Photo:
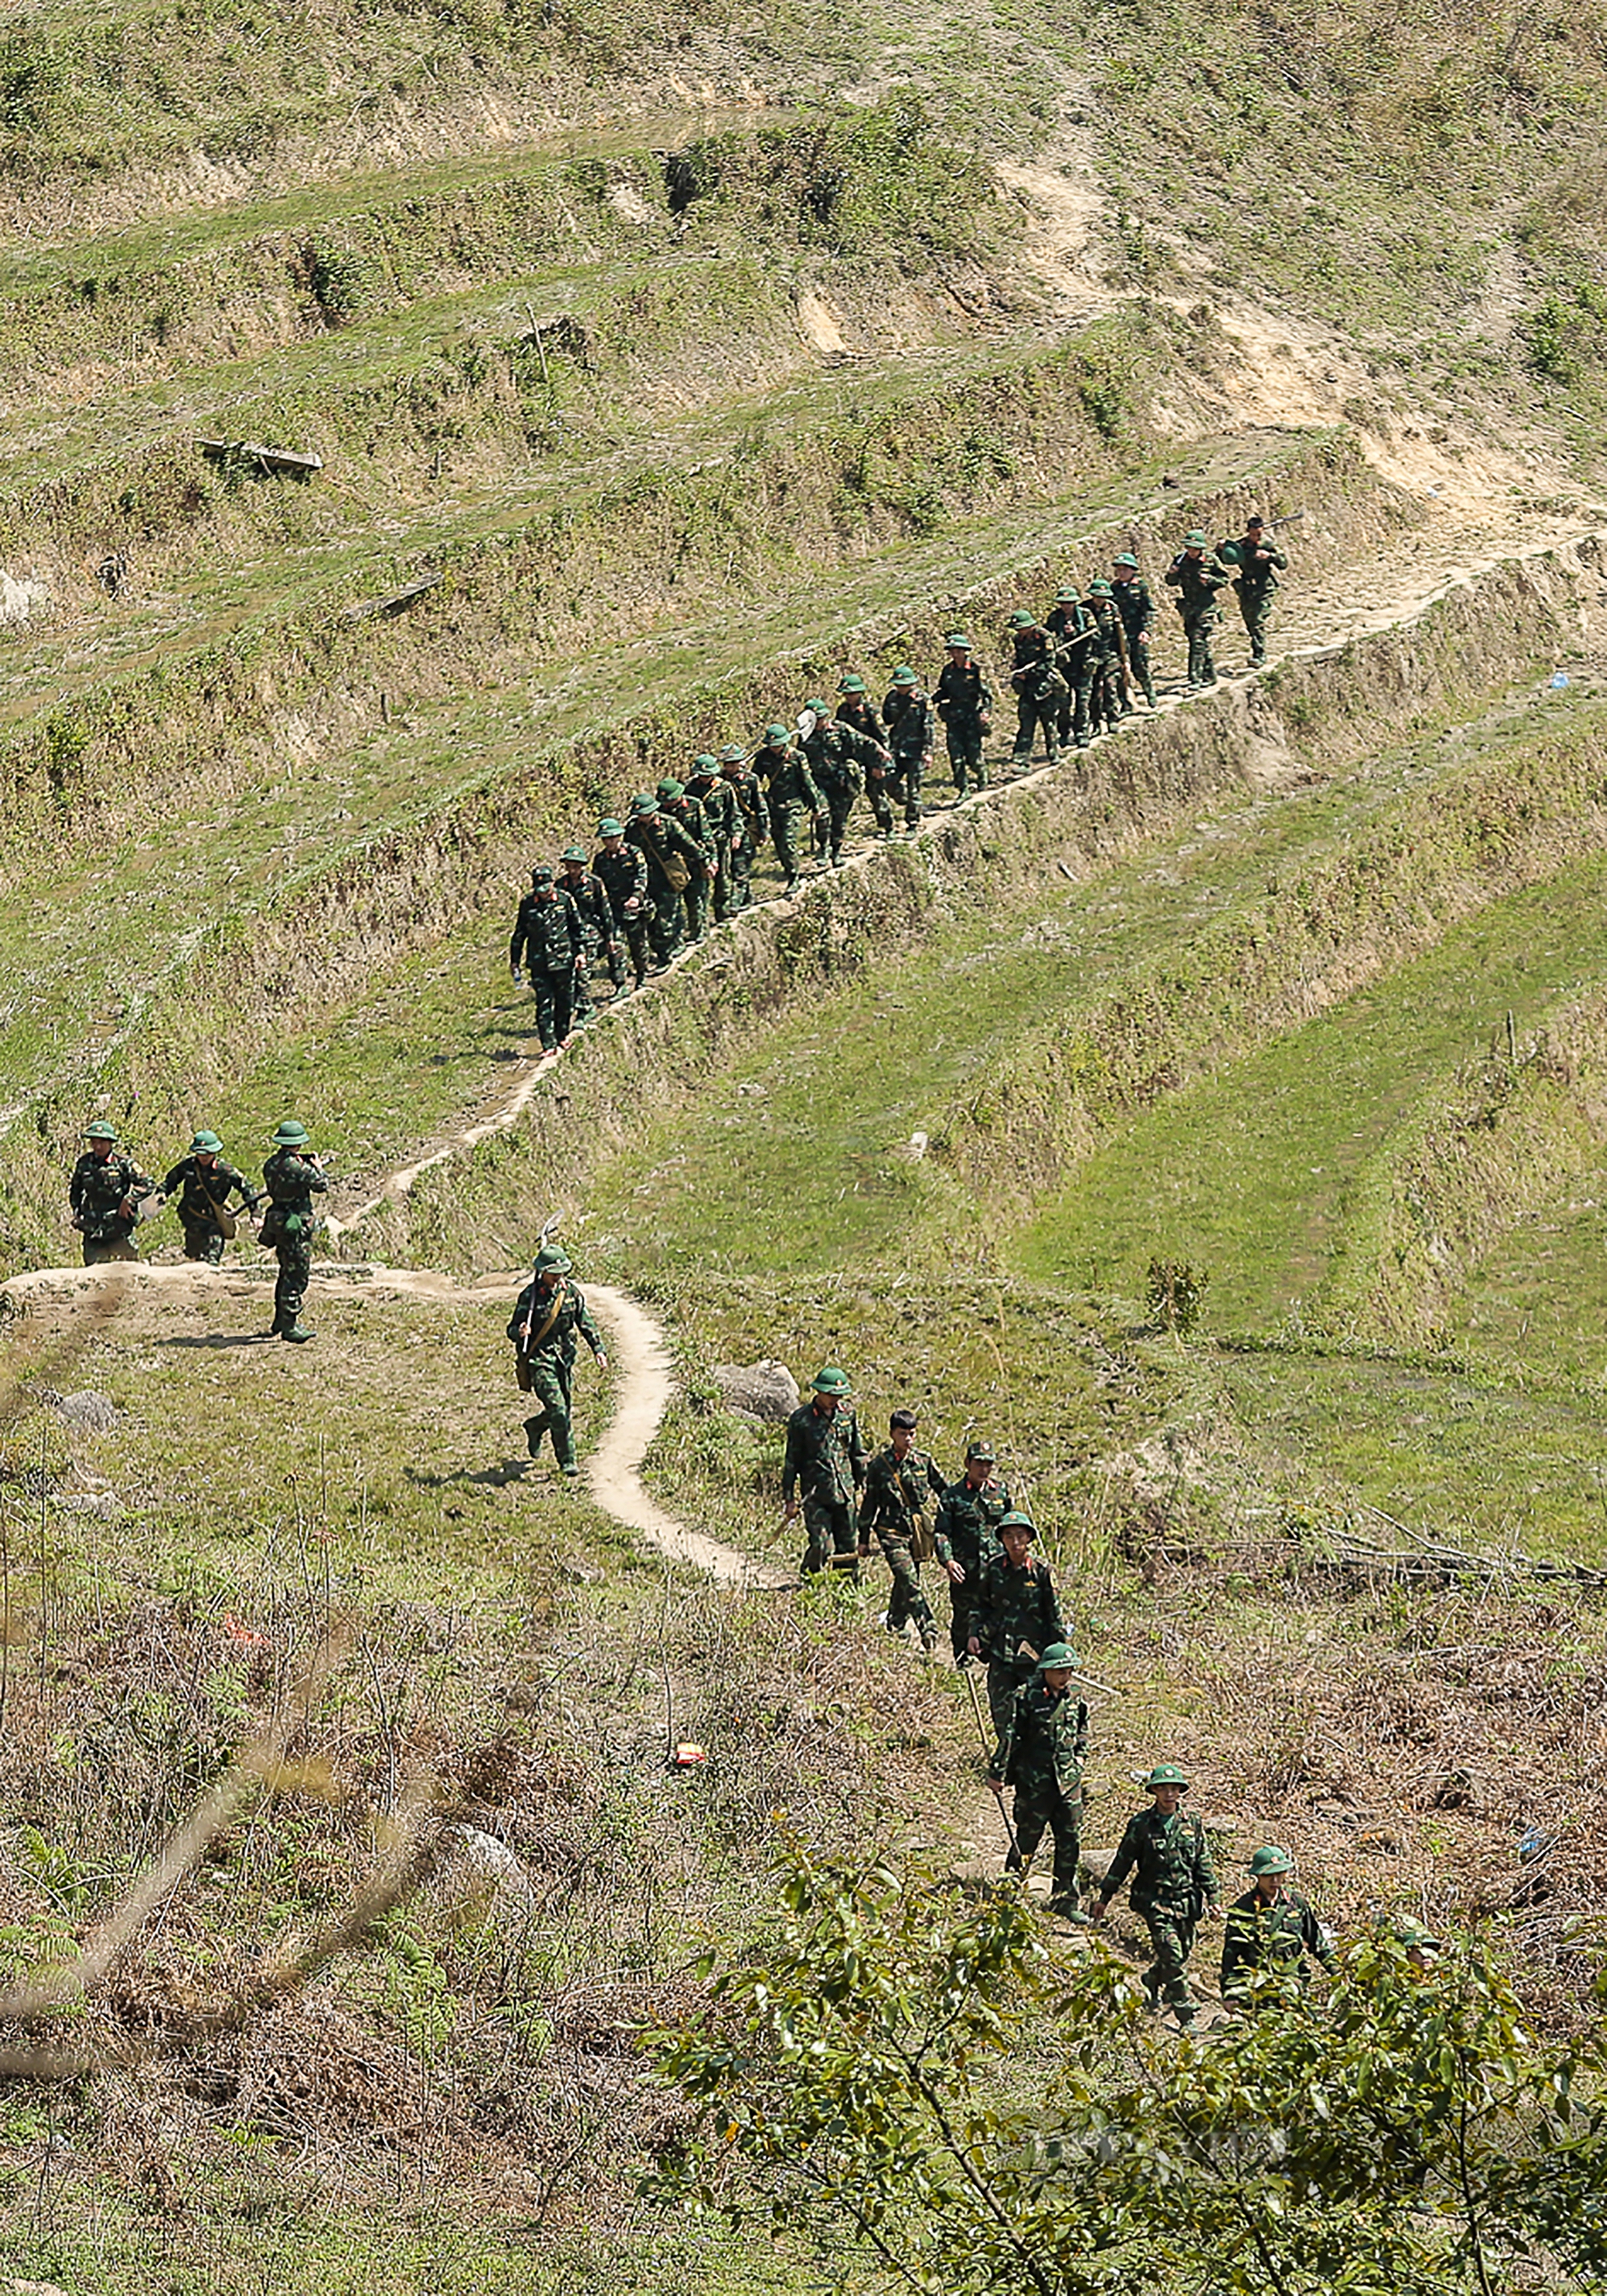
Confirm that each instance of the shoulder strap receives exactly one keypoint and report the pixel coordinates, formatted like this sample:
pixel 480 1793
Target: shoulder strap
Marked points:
pixel 535 1340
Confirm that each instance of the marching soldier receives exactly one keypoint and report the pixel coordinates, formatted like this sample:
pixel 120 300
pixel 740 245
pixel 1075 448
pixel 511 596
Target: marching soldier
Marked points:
pixel 722 819
pixel 622 872
pixel 898 1484
pixel 1072 626
pixel 840 756
pixel 964 701
pixel 1041 1753
pixel 1174 1885
pixel 592 906
pixel 1259 561
pixel 550 1317
pixel 791 793
pixel 965 1533
pixel 911 736
pixel 1108 654
pixel 1270 1931
pixel 753 832
pixel 1040 687
pixel 1136 603
pixel 549 938
pixel 203 1183
pixel 1197 574
pixel 674 805
pixel 673 858
pixel 106 1190
pixel 292 1177
pixel 825 1466
pixel 1016 1614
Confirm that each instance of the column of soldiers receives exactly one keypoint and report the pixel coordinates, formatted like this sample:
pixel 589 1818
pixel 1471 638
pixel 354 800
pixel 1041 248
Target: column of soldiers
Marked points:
pixel 682 857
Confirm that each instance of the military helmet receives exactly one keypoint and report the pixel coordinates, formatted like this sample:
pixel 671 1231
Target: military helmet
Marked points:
pixel 705 762
pixel 206 1144
pixel 100 1130
pixel 551 1262
pixel 980 1447
pixel 904 675
pixel 1166 1774
pixel 829 1380
pixel 852 684
pixel 957 642
pixel 776 732
pixel 1270 1860
pixel 1124 558
pixel 1020 620
pixel 820 708
pixel 575 853
pixel 1057 1654
pixel 1066 597
pixel 541 874
pixel 1417 1939
pixel 610 827
pixel 643 803
pixel 670 788
pixel 1016 1520
pixel 734 754
pixel 1099 589
pixel 291 1134
pixel 1194 539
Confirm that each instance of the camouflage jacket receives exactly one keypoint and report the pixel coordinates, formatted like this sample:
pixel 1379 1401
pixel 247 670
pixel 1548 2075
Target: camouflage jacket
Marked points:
pixel 1012 1606
pixel 592 906
pixel 752 812
pixel 1272 1939
pixel 623 877
pixel 839 757
pixel 548 933
pixel 293 1181
pixel 860 714
pixel 1171 1862
pixel 896 1490
pixel 1136 603
pixel 1110 645
pixel 688 811
pixel 103 1194
pixel 1197 580
pixel 910 731
pixel 1037 672
pixel 573 1318
pixel 1071 627
pixel 826 1455
pixel 967 1526
pixel 721 813
pixel 1045 1742
pixel 200 1191
pixel 659 837
pixel 789 780
pixel 963 694
pixel 1258 564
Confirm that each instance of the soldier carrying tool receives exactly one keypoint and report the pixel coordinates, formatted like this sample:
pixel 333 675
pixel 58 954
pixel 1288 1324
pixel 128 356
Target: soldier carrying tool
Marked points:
pixel 292 1177
pixel 106 1191
pixel 1041 1753
pixel 549 1316
pixel 203 1181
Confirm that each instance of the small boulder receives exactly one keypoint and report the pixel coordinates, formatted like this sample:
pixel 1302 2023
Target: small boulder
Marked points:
pixel 763 1391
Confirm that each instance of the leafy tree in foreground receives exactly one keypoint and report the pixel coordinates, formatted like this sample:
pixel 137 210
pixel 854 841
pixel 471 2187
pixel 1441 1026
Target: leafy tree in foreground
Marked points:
pixel 919 2073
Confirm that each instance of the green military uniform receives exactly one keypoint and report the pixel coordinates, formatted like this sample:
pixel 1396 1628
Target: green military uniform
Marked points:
pixel 722 817
pixel 1041 1753
pixel 1174 1879
pixel 1197 574
pixel 964 701
pixel 550 1317
pixel 1265 1945
pixel 1040 688
pixel 791 794
pixel 1136 603
pixel 673 858
pixel 753 832
pixel 1072 626
pixel 839 757
pixel 966 1531
pixel 1015 1617
pixel 291 1179
pixel 823 1468
pixel 105 1192
pixel 597 933
pixel 622 872
pixel 893 1506
pixel 549 937
pixel 676 806
pixel 1259 561
pixel 203 1190
pixel 1108 659
pixel 912 728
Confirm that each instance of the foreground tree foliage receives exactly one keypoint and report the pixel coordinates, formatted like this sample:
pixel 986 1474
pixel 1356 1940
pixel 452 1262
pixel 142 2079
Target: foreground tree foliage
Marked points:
pixel 923 2074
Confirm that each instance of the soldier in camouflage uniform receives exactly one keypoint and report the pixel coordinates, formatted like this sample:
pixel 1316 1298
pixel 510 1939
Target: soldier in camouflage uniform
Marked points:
pixel 105 1191
pixel 292 1177
pixel 622 872
pixel 1016 1614
pixel 1197 574
pixel 675 805
pixel 591 905
pixel 549 938
pixel 1107 653
pixel 839 757
pixel 1259 561
pixel 1040 688
pixel 964 701
pixel 899 1483
pixel 549 1315
pixel 1041 1753
pixel 673 858
pixel 1270 1931
pixel 965 1533
pixel 823 1468
pixel 793 796
pixel 1174 1885
pixel 911 735
pixel 1136 603
pixel 203 1183
pixel 722 821
pixel 1072 626
pixel 752 817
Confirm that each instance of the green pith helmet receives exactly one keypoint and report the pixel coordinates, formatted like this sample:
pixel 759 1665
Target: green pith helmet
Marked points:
pixel 100 1130
pixel 820 708
pixel 1016 1520
pixel 1125 558
pixel 1020 620
pixel 575 853
pixel 1099 589
pixel 1067 597
pixel 1194 539
pixel 541 874
pixel 643 803
pixel 734 754
pixel 777 733
pixel 551 1262
pixel 980 1447
pixel 1058 1654
pixel 291 1134
pixel 610 827
pixel 957 642
pixel 904 675
pixel 206 1144
pixel 705 762
pixel 830 1380
pixel 1166 1774
pixel 1417 1939
pixel 1270 1860
pixel 670 788
pixel 852 684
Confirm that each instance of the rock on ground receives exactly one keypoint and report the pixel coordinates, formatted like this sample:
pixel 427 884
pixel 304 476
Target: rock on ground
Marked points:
pixel 764 1390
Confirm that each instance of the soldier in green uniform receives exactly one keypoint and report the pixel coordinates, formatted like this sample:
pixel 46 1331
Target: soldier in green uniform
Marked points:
pixel 1270 1931
pixel 964 701
pixel 1197 574
pixel 1174 1885
pixel 911 736
pixel 840 758
pixel 855 708
pixel 622 872
pixel 1259 561
pixel 591 905
pixel 672 859
pixel 753 831
pixel 1108 651
pixel 723 821
pixel 898 1482
pixel 549 938
pixel 793 796
pixel 203 1182
pixel 674 805
pixel 549 1315
pixel 1072 626
pixel 1041 1753
pixel 1136 603
pixel 1040 687
pixel 823 1468
pixel 292 1177
pixel 965 1533
pixel 105 1191
pixel 1015 1616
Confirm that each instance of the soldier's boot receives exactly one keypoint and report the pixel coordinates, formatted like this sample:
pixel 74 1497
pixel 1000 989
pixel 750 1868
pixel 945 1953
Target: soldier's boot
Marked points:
pixel 1152 1991
pixel 533 1430
pixel 980 774
pixel 295 1331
